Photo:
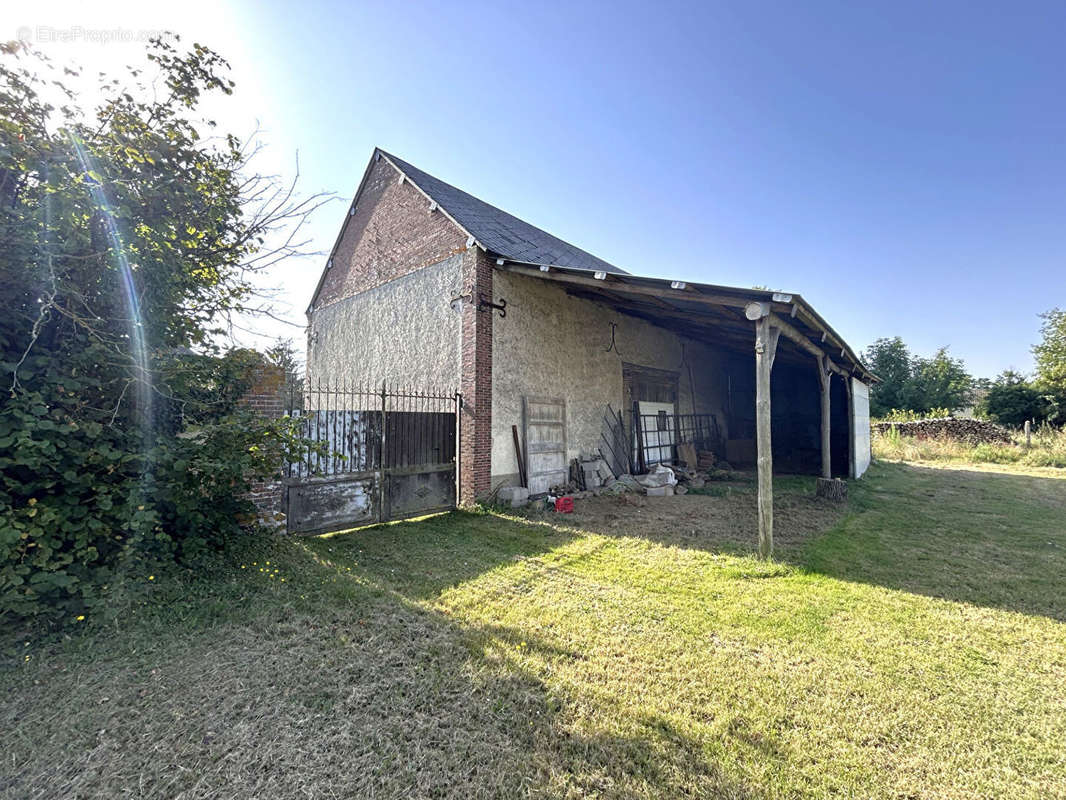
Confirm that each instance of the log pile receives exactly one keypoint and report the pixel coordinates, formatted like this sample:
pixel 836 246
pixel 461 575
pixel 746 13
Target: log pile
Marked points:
pixel 970 431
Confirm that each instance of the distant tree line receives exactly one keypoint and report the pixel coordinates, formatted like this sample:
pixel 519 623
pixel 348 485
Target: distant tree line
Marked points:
pixel 910 382
pixel 1013 397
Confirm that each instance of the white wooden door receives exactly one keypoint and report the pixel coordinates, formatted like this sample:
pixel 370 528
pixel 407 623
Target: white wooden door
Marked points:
pixel 544 421
pixel 657 427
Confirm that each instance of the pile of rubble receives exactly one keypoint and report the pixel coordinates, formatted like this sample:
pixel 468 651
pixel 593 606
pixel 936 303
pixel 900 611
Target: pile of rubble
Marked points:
pixel 591 476
pixel 971 431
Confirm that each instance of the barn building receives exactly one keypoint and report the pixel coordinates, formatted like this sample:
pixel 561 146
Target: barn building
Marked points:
pixel 427 285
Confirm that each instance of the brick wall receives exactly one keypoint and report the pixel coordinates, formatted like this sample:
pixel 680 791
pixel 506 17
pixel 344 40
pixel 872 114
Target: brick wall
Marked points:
pixel 392 233
pixel 266 397
pixel 475 445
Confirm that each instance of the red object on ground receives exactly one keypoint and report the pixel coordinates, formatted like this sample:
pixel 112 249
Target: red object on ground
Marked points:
pixel 564 505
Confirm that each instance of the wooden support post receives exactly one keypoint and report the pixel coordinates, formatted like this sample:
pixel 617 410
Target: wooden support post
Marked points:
pixel 824 376
pixel 765 345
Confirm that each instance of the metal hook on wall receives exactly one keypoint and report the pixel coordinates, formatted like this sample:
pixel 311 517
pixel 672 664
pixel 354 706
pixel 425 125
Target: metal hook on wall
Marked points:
pixel 485 304
pixel 611 346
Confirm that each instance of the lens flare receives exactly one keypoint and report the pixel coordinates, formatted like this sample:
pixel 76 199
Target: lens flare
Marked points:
pixel 138 347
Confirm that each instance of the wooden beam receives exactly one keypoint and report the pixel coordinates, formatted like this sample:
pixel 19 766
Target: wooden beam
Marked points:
pixel 764 354
pixel 623 287
pixel 707 326
pixel 790 333
pixel 824 376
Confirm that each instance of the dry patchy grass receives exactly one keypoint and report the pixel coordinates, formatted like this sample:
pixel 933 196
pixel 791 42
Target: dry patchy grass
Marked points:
pixel 914 649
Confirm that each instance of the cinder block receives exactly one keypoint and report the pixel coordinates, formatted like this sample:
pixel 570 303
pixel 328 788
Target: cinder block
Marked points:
pixel 660 491
pixel 517 496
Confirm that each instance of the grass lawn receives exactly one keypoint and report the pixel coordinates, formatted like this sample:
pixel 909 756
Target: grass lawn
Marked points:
pixel 914 649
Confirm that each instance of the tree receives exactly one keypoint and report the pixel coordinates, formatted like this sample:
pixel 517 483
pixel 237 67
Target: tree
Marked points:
pixel 1011 400
pixel 914 383
pixel 938 382
pixel 1050 354
pixel 283 354
pixel 890 360
pixel 129 235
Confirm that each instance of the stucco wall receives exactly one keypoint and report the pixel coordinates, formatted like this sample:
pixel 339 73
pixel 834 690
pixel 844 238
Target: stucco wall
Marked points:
pixel 551 344
pixel 403 331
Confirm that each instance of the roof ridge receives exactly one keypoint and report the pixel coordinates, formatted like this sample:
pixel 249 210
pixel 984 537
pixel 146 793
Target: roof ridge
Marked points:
pixel 497 230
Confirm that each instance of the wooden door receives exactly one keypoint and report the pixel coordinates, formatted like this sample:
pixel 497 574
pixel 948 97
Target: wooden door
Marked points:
pixel 544 423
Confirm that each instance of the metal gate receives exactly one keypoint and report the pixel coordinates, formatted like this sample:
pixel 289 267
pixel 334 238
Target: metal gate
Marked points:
pixel 375 456
pixel 656 433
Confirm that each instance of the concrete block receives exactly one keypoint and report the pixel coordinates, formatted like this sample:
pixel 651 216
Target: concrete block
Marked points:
pixel 660 491
pixel 604 471
pixel 517 496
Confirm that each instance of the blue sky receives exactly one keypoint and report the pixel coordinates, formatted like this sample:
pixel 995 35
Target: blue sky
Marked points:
pixel 899 164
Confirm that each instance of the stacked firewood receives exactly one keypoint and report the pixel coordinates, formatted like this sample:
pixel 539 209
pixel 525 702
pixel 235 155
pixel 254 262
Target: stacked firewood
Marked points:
pixel 971 431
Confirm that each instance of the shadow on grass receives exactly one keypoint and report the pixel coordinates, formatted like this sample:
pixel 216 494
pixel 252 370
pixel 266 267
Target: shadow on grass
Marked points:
pixel 422 559
pixel 721 518
pixel 417 562
pixel 987 538
pixel 992 539
pixel 340 677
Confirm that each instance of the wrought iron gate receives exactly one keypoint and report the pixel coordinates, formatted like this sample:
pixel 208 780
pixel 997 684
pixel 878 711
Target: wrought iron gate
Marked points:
pixel 377 455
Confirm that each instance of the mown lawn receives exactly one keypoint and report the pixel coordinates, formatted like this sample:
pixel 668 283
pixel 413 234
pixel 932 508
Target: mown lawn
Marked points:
pixel 916 649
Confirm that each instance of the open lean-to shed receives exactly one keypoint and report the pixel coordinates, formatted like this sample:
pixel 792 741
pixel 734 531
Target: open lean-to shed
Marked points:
pixel 427 285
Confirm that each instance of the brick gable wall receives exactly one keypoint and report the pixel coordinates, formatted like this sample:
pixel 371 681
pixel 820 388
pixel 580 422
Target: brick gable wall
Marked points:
pixel 391 234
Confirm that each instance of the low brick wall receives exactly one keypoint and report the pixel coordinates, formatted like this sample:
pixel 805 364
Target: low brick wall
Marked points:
pixel 266 397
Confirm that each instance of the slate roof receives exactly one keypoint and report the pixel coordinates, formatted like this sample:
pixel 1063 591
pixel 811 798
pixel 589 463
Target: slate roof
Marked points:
pixel 499 232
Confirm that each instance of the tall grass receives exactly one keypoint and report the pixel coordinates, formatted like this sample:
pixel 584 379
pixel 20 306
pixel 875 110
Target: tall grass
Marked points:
pixel 1047 449
pixel 906 415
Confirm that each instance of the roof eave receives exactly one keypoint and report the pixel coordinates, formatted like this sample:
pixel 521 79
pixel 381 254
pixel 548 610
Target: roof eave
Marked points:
pixel 792 300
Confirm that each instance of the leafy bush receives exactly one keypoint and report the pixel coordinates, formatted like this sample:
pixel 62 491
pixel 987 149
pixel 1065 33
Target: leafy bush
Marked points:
pixel 80 498
pixel 68 501
pixel 130 237
pixel 1011 400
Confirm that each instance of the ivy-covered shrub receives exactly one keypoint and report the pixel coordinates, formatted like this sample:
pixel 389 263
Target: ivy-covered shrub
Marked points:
pixel 130 238
pixel 68 500
pixel 80 499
